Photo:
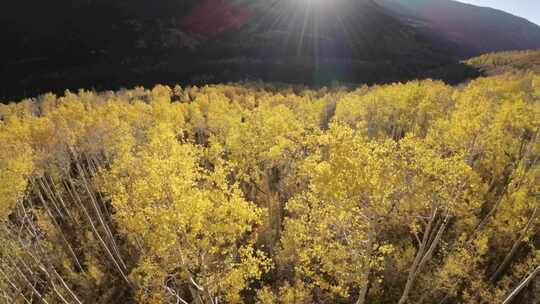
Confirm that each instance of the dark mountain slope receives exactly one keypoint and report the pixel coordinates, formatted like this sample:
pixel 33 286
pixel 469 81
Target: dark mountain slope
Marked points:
pixel 315 41
pixel 315 28
pixel 107 44
pixel 469 30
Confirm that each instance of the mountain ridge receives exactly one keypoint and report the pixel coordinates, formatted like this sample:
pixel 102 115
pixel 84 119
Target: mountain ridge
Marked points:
pixel 474 29
pixel 140 43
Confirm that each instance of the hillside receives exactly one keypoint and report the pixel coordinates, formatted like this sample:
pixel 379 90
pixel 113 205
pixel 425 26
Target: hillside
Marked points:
pixel 316 42
pixel 211 40
pixel 51 46
pixel 469 30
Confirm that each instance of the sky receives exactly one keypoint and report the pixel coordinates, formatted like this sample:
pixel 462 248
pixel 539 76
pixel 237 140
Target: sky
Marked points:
pixel 529 9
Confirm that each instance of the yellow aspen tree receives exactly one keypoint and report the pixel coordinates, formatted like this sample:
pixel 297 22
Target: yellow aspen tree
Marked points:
pixel 187 223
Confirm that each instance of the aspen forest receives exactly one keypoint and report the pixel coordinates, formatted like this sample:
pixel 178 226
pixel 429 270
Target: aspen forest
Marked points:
pixel 414 192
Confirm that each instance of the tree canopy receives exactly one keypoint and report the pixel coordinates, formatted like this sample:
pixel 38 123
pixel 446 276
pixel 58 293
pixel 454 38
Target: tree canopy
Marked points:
pixel 413 192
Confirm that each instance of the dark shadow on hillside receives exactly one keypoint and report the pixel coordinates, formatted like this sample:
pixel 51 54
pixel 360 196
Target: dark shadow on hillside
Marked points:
pixel 54 47
pixel 31 80
pixel 454 73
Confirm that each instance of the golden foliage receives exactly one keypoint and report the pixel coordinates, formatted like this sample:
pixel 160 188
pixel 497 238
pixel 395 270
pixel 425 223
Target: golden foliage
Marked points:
pixel 414 192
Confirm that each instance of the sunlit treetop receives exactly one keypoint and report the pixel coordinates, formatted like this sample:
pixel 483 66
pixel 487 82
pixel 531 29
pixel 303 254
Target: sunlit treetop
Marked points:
pixel 404 193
